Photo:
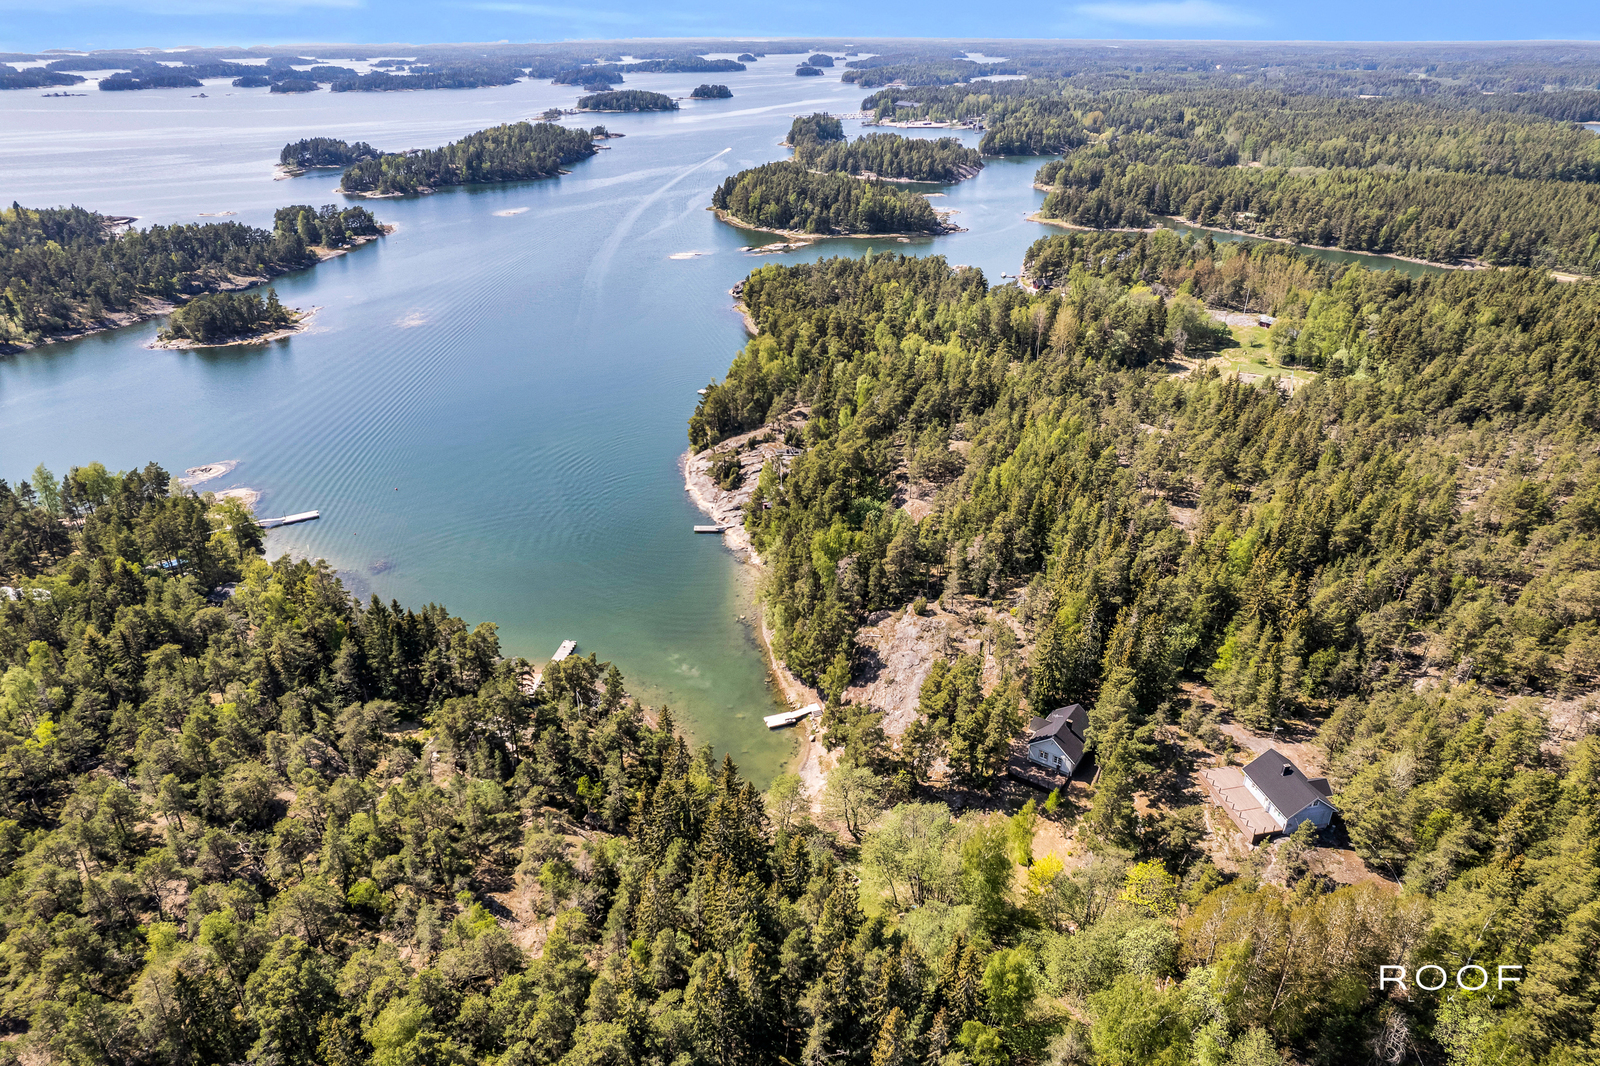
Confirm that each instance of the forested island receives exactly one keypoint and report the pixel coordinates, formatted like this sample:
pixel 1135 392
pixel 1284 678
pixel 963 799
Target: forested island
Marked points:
pixel 787 197
pixel 627 100
pixel 324 152
pixel 67 271
pixel 519 151
pixel 711 92
pixel 919 69
pixel 455 76
pixel 815 128
pixel 33 78
pixel 890 156
pixel 819 143
pixel 226 318
pixel 1180 547
pixel 591 78
pixel 806 70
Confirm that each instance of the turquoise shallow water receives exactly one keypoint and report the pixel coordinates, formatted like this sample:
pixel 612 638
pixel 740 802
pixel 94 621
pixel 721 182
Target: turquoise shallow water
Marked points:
pixel 490 406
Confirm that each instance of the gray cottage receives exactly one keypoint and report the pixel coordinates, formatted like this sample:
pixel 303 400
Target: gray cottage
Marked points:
pixel 1056 742
pixel 1287 795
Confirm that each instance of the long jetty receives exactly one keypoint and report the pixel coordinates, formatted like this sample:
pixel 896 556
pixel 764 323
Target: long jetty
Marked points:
pixel 530 685
pixel 289 520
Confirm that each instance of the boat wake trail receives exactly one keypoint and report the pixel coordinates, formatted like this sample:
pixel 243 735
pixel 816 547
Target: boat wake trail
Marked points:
pixel 601 263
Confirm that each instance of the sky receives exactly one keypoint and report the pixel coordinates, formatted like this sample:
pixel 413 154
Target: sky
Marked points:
pixel 35 25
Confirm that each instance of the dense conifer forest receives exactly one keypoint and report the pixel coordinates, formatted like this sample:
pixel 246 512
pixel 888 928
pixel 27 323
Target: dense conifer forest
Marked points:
pixel 214 317
pixel 815 128
pixel 33 78
pixel 889 155
pixel 711 92
pixel 1436 216
pixel 453 76
pixel 519 151
pixel 1425 507
pixel 788 196
pixel 66 269
pixel 1446 179
pixel 1225 127
pixel 914 69
pixel 325 152
pixel 627 100
pixel 593 79
pixel 247 818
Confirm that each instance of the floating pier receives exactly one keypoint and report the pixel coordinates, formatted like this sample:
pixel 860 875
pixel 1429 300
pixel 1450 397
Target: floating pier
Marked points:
pixel 711 529
pixel 289 520
pixel 783 718
pixel 530 685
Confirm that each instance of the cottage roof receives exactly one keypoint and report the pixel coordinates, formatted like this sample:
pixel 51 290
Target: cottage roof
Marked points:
pixel 1065 725
pixel 1282 782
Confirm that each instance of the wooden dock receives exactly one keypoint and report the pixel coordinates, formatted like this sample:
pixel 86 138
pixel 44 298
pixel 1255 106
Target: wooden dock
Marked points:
pixel 711 529
pixel 289 520
pixel 784 718
pixel 530 685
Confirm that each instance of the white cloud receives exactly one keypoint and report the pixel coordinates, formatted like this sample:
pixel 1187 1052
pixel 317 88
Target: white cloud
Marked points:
pixel 1168 13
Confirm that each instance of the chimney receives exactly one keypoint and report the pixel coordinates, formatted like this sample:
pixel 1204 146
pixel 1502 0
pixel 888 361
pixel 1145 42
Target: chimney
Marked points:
pixel 1288 769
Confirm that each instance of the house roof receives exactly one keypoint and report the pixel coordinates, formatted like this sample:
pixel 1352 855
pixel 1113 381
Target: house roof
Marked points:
pixel 1065 726
pixel 1282 782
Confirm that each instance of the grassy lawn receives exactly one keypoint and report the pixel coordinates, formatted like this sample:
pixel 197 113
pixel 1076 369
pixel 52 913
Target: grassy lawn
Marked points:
pixel 1250 355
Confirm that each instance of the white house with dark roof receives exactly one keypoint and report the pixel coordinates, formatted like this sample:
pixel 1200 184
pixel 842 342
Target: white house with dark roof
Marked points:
pixel 1288 796
pixel 1269 796
pixel 1056 741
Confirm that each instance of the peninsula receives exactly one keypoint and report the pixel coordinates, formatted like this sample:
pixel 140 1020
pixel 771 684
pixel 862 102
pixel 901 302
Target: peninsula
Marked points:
pixel 315 153
pixel 226 318
pixel 68 272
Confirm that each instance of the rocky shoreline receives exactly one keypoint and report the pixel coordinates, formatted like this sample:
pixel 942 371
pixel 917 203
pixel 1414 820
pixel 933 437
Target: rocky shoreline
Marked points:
pixel 302 321
pixel 150 307
pixel 725 507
